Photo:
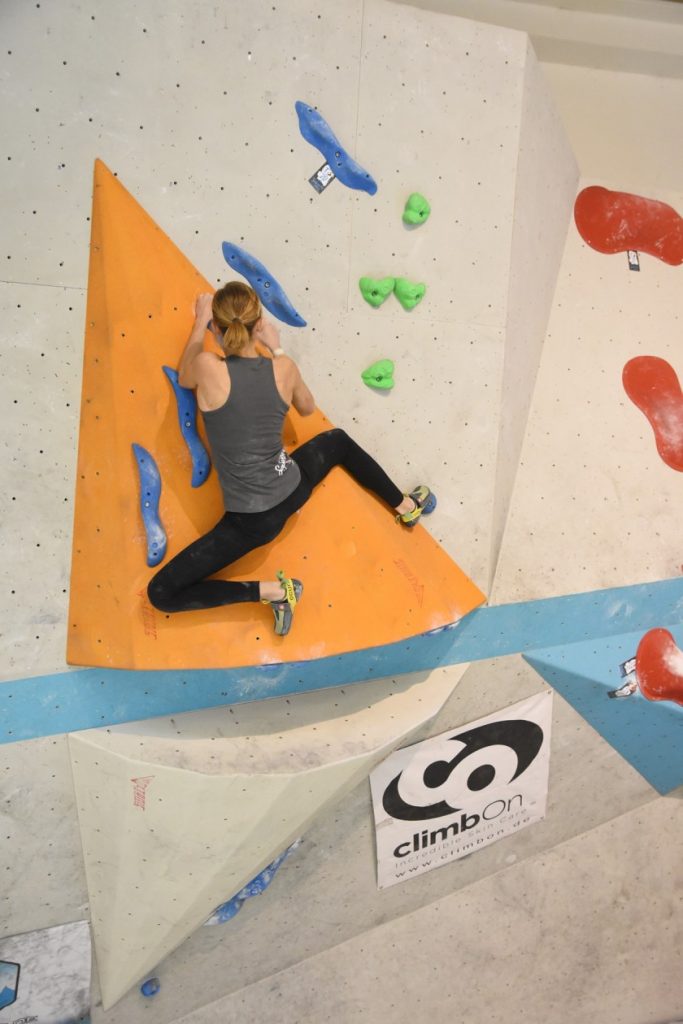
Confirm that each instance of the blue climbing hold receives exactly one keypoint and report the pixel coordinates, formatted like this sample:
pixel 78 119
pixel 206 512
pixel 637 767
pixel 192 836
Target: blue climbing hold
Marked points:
pixel 317 131
pixel 150 491
pixel 255 887
pixel 264 284
pixel 261 882
pixel 226 911
pixel 150 987
pixel 187 417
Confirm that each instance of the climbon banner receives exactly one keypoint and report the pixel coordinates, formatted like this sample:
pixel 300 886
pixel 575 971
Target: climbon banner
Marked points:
pixel 456 793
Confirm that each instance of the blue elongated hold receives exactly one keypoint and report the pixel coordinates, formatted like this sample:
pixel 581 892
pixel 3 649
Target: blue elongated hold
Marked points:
pixel 187 417
pixel 255 887
pixel 150 491
pixel 261 882
pixel 317 131
pixel 264 284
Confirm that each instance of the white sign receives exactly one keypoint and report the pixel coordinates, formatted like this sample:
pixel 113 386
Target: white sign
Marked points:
pixel 45 976
pixel 453 794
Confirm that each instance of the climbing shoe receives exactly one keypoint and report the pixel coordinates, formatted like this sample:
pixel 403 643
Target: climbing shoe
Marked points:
pixel 283 610
pixel 425 503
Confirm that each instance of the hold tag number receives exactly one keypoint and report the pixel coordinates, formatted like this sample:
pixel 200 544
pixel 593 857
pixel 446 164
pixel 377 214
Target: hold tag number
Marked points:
pixel 322 178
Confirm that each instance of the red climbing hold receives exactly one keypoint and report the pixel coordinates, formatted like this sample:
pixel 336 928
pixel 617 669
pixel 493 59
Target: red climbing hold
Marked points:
pixel 659 667
pixel 651 384
pixel 618 221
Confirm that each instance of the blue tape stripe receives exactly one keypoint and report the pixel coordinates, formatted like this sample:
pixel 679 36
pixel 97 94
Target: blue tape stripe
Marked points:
pixel 91 697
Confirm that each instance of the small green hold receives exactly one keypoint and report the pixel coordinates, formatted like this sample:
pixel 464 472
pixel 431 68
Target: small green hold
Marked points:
pixel 417 209
pixel 408 293
pixel 380 375
pixel 376 292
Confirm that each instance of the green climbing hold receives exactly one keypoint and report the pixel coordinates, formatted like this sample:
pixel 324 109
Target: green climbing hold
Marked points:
pixel 380 375
pixel 407 293
pixel 417 209
pixel 375 292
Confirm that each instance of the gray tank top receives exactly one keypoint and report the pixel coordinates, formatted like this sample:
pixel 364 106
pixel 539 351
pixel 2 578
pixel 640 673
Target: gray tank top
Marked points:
pixel 245 436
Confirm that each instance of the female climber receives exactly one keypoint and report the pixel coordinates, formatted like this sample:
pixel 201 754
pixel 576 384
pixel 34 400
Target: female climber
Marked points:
pixel 243 398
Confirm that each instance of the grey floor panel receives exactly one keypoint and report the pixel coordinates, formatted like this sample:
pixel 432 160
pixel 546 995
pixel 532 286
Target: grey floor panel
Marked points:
pixel 589 933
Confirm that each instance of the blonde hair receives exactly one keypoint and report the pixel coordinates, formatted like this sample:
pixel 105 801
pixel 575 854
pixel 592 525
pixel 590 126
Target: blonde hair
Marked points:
pixel 235 309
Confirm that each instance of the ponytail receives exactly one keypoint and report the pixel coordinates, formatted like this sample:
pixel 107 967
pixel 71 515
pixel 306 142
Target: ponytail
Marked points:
pixel 236 309
pixel 235 336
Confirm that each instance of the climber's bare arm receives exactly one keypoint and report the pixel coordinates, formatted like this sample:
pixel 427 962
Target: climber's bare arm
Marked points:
pixel 190 362
pixel 288 377
pixel 302 399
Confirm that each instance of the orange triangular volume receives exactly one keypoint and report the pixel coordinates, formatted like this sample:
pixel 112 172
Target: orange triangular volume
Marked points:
pixel 368 581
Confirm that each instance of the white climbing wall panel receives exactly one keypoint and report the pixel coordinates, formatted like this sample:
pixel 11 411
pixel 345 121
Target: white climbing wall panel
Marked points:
pixel 594 504
pixel 545 186
pixel 176 815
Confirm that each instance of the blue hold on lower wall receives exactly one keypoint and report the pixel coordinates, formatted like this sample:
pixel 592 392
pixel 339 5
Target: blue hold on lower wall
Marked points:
pixel 87 698
pixel 255 887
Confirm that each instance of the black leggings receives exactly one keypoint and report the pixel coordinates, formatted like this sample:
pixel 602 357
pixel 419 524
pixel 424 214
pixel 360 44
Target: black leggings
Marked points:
pixel 182 585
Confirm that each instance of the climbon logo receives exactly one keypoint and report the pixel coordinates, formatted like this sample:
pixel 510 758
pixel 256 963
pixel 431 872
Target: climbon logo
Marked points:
pixel 453 794
pixel 523 738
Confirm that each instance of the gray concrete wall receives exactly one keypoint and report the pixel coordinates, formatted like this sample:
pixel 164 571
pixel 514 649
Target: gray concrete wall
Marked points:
pixel 594 505
pixel 546 182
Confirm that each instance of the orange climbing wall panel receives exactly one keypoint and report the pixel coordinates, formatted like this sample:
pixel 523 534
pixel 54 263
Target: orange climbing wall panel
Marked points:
pixel 368 581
